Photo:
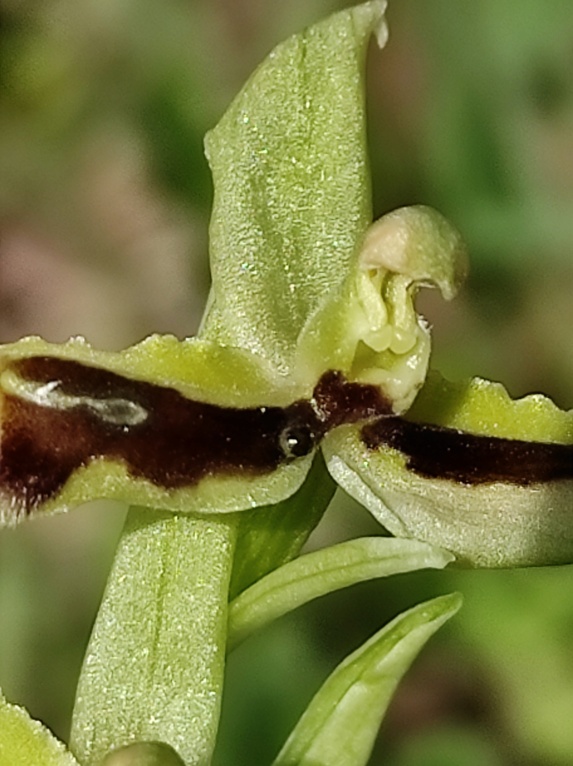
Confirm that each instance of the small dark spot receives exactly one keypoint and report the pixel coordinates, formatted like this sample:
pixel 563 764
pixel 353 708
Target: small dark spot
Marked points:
pixel 297 440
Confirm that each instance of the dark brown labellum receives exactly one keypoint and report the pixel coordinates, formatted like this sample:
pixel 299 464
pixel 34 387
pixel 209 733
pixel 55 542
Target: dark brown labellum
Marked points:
pixel 77 413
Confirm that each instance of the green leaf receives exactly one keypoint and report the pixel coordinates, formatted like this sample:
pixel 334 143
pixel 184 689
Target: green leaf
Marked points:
pixel 292 188
pixel 491 522
pixel 324 571
pixel 25 742
pixel 342 721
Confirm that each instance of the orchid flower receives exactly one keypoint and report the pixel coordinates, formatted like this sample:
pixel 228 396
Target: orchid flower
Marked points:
pixel 310 370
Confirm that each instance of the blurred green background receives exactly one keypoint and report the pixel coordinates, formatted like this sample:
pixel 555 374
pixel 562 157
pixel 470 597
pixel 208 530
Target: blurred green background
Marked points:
pixel 104 203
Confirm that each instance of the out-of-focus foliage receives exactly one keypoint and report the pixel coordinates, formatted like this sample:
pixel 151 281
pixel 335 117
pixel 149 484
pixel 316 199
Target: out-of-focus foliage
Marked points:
pixel 104 200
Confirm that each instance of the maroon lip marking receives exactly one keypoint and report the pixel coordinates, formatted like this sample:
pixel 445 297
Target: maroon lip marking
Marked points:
pixel 444 453
pixel 156 432
pixel 340 401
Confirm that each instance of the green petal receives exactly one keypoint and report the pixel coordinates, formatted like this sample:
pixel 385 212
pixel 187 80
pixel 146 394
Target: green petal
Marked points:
pixel 342 721
pixel 369 327
pixel 325 571
pixel 292 188
pixel 25 742
pixel 490 522
pixel 484 407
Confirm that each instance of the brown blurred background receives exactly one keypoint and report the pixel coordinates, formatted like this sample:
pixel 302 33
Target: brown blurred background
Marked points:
pixel 104 204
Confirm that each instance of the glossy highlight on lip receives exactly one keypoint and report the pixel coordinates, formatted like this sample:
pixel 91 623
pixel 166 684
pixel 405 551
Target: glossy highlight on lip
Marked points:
pixel 68 414
pixel 436 452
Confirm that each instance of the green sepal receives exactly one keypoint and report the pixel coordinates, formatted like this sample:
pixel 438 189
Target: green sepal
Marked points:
pixel 26 742
pixel 299 275
pixel 325 571
pixel 342 721
pixel 292 188
pixel 495 524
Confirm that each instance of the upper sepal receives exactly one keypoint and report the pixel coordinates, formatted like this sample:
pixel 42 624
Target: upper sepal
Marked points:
pixel 292 187
pixel 298 275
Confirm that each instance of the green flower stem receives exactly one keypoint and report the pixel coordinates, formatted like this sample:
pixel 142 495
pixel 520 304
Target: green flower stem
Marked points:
pixel 154 666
